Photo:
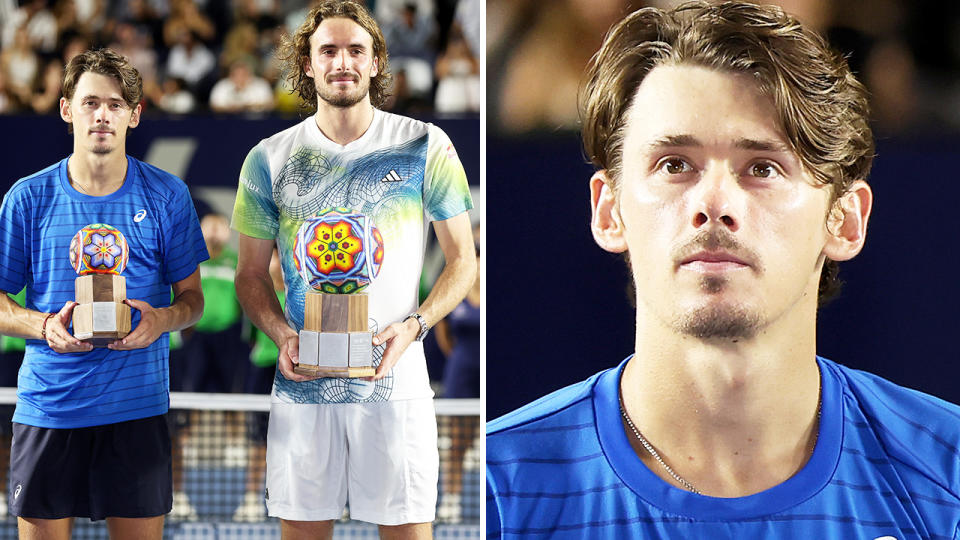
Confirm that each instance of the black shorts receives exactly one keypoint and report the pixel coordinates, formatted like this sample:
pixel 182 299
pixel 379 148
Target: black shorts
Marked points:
pixel 114 470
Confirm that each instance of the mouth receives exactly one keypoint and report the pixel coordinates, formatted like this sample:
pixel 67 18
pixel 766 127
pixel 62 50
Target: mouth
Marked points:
pixel 100 132
pixel 713 262
pixel 343 79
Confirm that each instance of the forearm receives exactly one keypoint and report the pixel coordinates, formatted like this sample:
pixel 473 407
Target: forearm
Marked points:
pixel 20 322
pixel 259 301
pixel 185 311
pixel 451 287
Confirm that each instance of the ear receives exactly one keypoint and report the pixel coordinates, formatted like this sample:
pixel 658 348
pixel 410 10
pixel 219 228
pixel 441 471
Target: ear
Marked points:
pixel 65 112
pixel 135 116
pixel 375 68
pixel 605 221
pixel 847 222
pixel 307 68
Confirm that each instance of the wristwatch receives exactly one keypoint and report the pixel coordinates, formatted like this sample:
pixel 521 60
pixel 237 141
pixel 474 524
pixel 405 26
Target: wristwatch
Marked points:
pixel 423 325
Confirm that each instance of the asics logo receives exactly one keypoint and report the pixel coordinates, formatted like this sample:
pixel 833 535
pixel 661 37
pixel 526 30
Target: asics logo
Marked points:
pixel 391 176
pixel 16 492
pixel 138 217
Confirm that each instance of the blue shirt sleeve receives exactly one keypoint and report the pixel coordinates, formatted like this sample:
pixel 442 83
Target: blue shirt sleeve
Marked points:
pixel 14 255
pixel 184 247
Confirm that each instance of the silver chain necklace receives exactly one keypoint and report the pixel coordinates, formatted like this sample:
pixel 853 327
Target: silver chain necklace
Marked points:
pixel 653 452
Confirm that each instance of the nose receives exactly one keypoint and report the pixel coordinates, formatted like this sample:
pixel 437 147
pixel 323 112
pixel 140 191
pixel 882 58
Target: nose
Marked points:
pixel 340 60
pixel 100 114
pixel 718 199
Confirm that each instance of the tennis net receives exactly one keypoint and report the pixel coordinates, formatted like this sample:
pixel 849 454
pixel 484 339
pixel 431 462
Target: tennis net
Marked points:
pixel 219 453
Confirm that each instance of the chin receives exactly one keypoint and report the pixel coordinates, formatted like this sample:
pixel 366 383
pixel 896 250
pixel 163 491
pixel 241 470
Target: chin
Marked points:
pixel 719 320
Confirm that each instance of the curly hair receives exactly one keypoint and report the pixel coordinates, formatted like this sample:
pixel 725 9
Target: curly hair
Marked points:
pixel 294 50
pixel 822 108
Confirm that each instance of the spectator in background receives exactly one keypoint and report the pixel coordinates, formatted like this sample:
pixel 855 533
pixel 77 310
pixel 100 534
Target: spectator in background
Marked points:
pixel 138 49
pixel 241 43
pixel 241 91
pixel 142 16
pixel 186 14
pixel 263 14
pixel 458 75
pixel 213 348
pixel 190 59
pixel 173 97
pixel 411 38
pixel 40 23
pixel 47 95
pixel 20 65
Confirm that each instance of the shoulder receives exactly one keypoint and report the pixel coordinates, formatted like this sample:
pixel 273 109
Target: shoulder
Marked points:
pixel 282 139
pixel 554 415
pixel 917 430
pixel 39 180
pixel 165 184
pixel 403 127
pixel 888 400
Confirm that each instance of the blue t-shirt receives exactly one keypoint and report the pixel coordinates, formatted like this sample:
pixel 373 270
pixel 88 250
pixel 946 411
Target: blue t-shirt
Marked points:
pixel 886 465
pixel 39 216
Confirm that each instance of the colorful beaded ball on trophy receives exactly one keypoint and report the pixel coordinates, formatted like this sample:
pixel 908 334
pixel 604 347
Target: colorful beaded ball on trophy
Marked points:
pixel 337 253
pixel 99 249
pixel 99 254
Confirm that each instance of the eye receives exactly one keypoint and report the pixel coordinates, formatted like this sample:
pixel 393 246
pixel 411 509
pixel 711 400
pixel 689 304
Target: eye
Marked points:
pixel 674 165
pixel 764 169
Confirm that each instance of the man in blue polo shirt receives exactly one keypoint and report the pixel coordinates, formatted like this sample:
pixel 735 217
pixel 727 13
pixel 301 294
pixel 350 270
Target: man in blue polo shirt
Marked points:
pixel 731 149
pixel 90 439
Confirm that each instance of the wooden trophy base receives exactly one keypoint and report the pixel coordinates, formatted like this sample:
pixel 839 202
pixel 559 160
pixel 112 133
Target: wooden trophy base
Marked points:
pixel 101 317
pixel 101 323
pixel 335 341
pixel 327 371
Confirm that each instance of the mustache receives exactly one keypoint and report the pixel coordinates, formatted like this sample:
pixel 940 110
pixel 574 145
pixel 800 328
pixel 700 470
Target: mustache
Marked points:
pixel 716 240
pixel 351 76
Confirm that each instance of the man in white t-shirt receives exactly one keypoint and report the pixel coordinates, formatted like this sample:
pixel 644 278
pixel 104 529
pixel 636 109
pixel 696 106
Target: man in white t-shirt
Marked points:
pixel 241 91
pixel 374 439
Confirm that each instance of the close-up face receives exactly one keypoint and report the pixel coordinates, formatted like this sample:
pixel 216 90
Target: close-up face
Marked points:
pixel 726 231
pixel 99 115
pixel 341 62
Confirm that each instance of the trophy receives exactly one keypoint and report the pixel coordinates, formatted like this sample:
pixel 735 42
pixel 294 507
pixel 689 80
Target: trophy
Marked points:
pixel 337 253
pixel 99 254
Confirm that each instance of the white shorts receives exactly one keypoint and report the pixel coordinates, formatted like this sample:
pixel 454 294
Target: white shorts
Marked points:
pixel 381 457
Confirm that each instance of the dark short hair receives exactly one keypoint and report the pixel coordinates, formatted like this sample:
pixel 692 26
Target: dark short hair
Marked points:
pixel 294 50
pixel 822 108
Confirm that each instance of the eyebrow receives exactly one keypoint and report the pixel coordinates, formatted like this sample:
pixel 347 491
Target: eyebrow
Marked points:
pixel 743 143
pixel 93 96
pixel 334 45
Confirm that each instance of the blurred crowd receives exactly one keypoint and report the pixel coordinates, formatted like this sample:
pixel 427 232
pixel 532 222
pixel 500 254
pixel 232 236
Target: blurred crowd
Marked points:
pixel 907 53
pixel 218 55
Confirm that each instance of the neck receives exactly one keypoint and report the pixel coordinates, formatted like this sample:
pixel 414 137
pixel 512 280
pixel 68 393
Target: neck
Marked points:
pixel 97 174
pixel 344 125
pixel 732 418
